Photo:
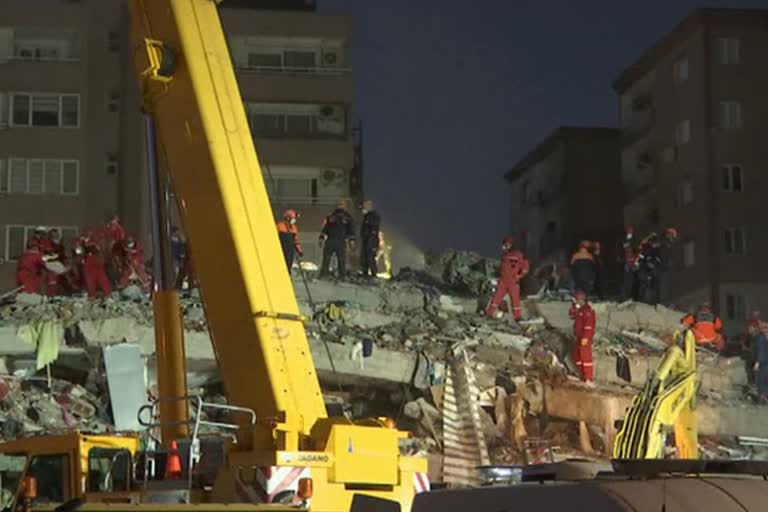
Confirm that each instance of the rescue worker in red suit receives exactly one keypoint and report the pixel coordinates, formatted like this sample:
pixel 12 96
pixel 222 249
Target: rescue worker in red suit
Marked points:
pixel 514 267
pixel 40 236
pixel 94 273
pixel 115 231
pixel 134 265
pixel 55 284
pixel 114 234
pixel 584 321
pixel 30 267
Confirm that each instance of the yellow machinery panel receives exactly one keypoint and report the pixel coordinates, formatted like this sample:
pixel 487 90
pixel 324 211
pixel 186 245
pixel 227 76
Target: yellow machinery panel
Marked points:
pixel 367 453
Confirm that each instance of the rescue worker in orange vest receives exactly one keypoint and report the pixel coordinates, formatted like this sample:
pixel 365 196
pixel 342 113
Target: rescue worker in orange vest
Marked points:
pixel 584 322
pixel 706 327
pixel 514 267
pixel 29 268
pixel 288 231
pixel 583 269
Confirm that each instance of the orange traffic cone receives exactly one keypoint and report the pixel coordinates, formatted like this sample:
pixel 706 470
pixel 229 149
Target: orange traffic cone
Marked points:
pixel 173 466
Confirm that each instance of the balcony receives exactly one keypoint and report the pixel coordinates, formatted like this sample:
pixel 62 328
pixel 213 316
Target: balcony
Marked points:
pixel 315 84
pixel 335 153
pixel 637 119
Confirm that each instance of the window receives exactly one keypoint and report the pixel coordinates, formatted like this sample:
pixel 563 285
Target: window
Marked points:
pixel 113 101
pixel 728 50
pixel 297 120
pixel 52 474
pixel 735 241
pixel 730 115
pixel 689 254
pixel 735 307
pixel 109 470
pixel 733 179
pixel 300 59
pixel 38 176
pixel 669 155
pixel 680 70
pixel 16 238
pixel 683 133
pixel 291 189
pixel 113 41
pixel 685 193
pixel 39 109
pixel 113 163
pixel 42 44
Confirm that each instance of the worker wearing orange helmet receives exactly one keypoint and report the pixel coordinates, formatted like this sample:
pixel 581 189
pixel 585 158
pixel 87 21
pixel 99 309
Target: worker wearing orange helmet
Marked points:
pixel 583 268
pixel 514 267
pixel 706 326
pixel 584 323
pixel 288 230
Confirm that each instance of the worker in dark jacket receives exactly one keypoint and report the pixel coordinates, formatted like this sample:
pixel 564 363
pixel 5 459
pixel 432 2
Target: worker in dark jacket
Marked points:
pixel 760 356
pixel 369 240
pixel 629 264
pixel 583 269
pixel 338 230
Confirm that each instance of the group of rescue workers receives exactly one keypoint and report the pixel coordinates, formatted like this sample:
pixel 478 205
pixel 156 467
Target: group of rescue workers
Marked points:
pixel 337 234
pixel 96 262
pixel 645 264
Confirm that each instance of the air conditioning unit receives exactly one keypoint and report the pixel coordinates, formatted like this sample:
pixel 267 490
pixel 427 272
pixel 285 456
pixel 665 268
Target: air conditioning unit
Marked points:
pixel 330 112
pixel 644 161
pixel 330 58
pixel 329 176
pixel 641 103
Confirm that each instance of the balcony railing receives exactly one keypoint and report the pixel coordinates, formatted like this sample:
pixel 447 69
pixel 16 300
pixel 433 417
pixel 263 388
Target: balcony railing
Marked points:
pixel 4 59
pixel 304 200
pixel 288 70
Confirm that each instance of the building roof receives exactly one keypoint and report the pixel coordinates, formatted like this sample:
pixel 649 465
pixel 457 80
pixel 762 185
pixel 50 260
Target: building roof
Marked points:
pixel 550 144
pixel 696 19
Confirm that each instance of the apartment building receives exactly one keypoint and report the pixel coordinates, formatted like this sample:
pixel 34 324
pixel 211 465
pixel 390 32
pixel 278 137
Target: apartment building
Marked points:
pixel 71 135
pixel 565 190
pixel 694 114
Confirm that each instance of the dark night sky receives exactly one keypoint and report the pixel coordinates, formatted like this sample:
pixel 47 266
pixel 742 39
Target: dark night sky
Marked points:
pixel 453 92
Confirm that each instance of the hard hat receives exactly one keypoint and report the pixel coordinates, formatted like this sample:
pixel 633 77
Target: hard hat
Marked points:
pixel 580 295
pixel 510 241
pixel 596 245
pixel 341 203
pixel 291 214
pixel 672 232
pixel 130 241
pixel 705 307
pixel 585 244
pixel 629 228
pixel 41 229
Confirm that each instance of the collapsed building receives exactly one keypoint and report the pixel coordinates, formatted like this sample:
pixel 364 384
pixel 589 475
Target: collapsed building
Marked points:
pixel 471 389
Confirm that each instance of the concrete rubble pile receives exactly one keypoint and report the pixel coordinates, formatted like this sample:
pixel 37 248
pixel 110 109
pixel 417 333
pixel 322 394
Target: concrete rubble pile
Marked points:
pixel 392 343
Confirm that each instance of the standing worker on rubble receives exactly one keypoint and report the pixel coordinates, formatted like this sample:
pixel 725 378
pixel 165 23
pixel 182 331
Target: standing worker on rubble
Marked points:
pixel 629 263
pixel 29 268
pixel 94 272
pixel 583 269
pixel 707 327
pixel 55 284
pixel 369 240
pixel 584 323
pixel 514 267
pixel 760 358
pixel 288 231
pixel 134 265
pixel 338 230
pixel 754 326
pixel 664 250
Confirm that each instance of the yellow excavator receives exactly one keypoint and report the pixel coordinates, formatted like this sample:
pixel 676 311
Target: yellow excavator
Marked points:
pixel 667 402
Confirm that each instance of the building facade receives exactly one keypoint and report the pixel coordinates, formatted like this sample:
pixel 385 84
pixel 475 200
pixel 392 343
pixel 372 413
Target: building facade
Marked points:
pixel 565 190
pixel 693 118
pixel 71 132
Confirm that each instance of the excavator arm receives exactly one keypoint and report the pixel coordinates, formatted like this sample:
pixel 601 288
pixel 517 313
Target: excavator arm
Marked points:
pixel 666 402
